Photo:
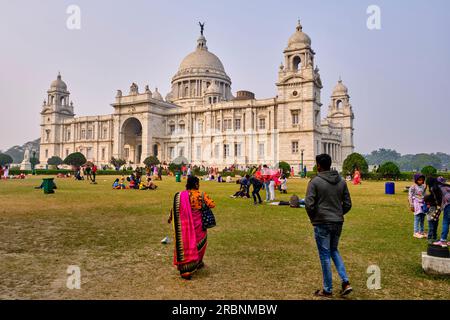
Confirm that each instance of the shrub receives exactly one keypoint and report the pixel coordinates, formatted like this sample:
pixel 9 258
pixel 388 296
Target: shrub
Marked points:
pixel 286 168
pixel 429 171
pixel 75 159
pixel 355 161
pixel 389 170
pixel 55 161
pixel 151 161
pixel 117 163
pixel 5 159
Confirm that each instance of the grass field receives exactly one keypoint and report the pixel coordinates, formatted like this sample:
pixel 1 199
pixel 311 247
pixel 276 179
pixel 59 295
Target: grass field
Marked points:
pixel 263 252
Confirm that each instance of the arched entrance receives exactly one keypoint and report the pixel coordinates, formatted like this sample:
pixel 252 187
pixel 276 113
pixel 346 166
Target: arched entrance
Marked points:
pixel 132 140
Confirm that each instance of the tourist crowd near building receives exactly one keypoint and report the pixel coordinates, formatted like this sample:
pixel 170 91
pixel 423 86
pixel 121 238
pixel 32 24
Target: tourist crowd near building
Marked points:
pixel 200 118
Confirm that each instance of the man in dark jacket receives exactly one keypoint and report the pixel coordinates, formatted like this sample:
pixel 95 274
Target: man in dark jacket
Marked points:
pixel 327 201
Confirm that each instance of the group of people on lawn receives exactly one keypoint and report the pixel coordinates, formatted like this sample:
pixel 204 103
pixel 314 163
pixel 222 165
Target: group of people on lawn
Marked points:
pixel 135 181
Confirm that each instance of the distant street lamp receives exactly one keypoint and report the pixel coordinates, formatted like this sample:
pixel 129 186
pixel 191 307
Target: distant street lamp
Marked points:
pixel 33 163
pixel 301 165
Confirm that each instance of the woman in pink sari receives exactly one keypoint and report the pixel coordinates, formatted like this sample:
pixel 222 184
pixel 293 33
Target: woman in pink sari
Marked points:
pixel 190 238
pixel 356 177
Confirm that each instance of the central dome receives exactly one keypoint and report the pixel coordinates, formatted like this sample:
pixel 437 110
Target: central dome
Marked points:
pixel 201 58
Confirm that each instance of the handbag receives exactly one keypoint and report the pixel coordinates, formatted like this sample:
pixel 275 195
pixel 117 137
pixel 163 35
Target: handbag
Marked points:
pixel 208 218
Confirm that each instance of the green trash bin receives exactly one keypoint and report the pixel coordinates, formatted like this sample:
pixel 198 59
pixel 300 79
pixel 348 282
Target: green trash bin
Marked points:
pixel 178 176
pixel 48 185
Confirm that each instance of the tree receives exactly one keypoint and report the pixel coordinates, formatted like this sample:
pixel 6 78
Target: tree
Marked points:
pixel 55 161
pixel 5 159
pixel 382 155
pixel 389 170
pixel 286 168
pixel 151 161
pixel 117 163
pixel 429 171
pixel 75 159
pixel 355 161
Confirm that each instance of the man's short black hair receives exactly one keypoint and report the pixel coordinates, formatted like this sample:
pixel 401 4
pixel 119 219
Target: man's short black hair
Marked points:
pixel 324 161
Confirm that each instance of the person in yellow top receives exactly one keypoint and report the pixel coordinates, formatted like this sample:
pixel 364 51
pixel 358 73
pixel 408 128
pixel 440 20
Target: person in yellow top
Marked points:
pixel 186 218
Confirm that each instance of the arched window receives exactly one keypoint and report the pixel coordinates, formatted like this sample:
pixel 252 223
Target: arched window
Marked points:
pixel 186 91
pixel 297 63
pixel 155 150
pixel 338 104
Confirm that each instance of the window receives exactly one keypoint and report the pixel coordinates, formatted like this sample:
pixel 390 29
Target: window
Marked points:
pixel 199 152
pixel 172 129
pixel 216 151
pixel 261 150
pixel 68 135
pixel 317 118
pixel 46 154
pixel 237 124
pixel 182 127
pixel 67 153
pixel 294 146
pixel 89 153
pixel 89 134
pixel 127 153
pixel 103 153
pixel 200 126
pixel 297 63
pixel 105 133
pixel 226 150
pixel 237 149
pixel 218 125
pixel 83 134
pixel 47 135
pixel 181 152
pixel 227 124
pixel 171 152
pixel 295 118
pixel 262 123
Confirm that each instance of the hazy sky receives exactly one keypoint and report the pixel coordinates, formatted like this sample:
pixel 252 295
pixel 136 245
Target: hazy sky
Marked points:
pixel 398 77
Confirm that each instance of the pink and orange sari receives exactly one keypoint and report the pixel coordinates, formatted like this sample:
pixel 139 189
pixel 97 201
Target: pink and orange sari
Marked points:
pixel 190 238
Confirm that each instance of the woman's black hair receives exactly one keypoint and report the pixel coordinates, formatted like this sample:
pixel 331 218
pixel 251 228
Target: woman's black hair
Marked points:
pixel 433 185
pixel 192 183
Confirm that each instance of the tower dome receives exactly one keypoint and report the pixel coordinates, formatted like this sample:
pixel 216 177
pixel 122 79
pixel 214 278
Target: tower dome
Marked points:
pixel 58 84
pixel 340 89
pixel 299 40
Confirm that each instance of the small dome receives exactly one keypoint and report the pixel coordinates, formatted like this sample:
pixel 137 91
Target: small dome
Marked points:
pixel 212 89
pixel 299 40
pixel 58 84
pixel 340 89
pixel 157 96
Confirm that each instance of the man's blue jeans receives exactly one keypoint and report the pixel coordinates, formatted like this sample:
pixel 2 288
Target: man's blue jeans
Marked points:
pixel 327 239
pixel 445 223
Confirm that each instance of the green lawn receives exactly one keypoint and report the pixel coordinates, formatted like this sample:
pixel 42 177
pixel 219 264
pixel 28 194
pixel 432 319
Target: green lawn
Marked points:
pixel 263 252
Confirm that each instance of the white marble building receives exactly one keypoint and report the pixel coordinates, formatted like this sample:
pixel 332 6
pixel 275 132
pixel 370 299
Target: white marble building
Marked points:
pixel 201 120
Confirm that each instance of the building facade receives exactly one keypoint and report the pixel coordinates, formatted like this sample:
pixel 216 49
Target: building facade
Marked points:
pixel 201 120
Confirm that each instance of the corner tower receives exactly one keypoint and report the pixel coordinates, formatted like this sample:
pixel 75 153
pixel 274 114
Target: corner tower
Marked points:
pixel 55 110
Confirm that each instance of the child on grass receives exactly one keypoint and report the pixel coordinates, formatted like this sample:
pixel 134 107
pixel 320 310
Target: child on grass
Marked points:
pixel 415 196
